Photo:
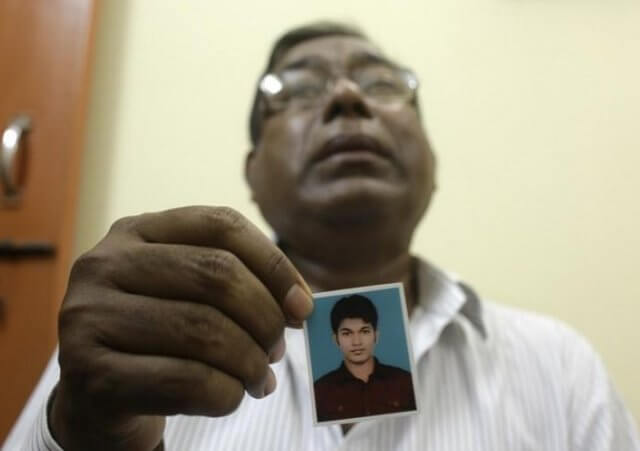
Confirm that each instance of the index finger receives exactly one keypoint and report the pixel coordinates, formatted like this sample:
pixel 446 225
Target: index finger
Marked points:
pixel 225 228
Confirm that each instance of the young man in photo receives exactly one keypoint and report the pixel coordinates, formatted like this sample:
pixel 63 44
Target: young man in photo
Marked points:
pixel 361 386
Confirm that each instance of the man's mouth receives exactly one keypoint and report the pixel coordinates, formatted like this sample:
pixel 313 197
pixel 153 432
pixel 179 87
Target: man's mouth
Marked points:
pixel 352 147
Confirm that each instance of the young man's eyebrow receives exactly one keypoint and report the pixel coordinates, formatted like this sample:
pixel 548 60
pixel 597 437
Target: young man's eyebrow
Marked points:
pixel 346 329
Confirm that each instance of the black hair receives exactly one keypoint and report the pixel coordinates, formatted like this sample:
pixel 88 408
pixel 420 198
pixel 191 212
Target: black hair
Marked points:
pixel 282 45
pixel 354 306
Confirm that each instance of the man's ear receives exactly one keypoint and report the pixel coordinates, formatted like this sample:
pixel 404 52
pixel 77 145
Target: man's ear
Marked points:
pixel 376 334
pixel 335 339
pixel 249 163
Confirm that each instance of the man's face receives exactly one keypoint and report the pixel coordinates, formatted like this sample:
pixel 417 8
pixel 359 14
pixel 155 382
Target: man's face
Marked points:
pixel 301 168
pixel 356 339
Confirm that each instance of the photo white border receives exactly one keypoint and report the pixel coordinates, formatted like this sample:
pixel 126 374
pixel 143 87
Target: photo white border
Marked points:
pixel 412 363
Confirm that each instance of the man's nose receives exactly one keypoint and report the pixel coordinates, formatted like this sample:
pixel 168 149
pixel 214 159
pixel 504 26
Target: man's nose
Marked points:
pixel 356 339
pixel 345 99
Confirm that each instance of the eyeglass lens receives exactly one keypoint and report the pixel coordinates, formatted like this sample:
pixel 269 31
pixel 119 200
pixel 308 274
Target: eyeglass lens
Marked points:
pixel 380 83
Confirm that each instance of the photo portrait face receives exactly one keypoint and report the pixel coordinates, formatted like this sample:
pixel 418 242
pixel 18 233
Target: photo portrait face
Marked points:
pixel 356 339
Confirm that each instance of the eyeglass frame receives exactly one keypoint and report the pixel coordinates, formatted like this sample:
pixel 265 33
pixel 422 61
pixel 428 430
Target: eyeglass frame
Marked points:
pixel 331 79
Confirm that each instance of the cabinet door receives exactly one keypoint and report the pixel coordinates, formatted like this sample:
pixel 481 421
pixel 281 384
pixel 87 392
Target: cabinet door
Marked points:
pixel 45 55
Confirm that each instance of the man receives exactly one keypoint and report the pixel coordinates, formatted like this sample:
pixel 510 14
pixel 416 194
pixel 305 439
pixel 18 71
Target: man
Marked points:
pixel 182 312
pixel 361 385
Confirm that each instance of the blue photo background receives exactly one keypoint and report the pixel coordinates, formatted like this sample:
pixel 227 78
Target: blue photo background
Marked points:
pixel 392 345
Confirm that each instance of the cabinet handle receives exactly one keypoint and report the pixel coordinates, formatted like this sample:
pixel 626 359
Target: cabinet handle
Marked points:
pixel 28 249
pixel 11 145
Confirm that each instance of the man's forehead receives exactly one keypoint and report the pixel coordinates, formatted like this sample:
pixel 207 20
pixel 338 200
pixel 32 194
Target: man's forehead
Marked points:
pixel 335 50
pixel 353 323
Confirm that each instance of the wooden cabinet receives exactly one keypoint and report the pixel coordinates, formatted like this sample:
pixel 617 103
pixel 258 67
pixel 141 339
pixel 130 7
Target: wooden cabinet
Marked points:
pixel 45 59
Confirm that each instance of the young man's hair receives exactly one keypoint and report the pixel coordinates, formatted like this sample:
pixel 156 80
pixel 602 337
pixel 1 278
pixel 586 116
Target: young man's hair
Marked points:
pixel 354 306
pixel 284 43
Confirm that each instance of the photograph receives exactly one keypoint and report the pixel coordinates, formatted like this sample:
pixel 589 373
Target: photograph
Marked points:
pixel 360 360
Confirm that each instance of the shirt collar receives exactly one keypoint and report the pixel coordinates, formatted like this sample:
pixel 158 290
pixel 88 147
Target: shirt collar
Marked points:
pixel 445 293
pixel 441 300
pixel 472 308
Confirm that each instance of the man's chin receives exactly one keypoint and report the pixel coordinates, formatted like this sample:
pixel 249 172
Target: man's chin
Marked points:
pixel 355 195
pixel 359 359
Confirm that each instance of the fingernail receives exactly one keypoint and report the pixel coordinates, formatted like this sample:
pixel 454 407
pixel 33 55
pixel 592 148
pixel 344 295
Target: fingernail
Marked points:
pixel 270 384
pixel 298 303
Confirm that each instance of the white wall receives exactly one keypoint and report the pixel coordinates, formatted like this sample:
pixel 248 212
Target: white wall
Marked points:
pixel 532 106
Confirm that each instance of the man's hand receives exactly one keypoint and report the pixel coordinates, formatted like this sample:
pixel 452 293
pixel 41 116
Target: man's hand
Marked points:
pixel 173 312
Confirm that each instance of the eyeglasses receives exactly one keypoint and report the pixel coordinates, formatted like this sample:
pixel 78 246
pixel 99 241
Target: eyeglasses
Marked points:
pixel 305 88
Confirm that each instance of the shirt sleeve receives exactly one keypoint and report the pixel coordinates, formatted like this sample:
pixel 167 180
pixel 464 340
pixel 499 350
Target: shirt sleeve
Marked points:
pixel 40 438
pixel 31 431
pixel 599 419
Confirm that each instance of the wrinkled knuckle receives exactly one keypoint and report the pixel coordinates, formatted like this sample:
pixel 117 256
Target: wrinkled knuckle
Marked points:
pixel 95 264
pixel 229 220
pixel 276 262
pixel 204 333
pixel 85 264
pixel 124 224
pixel 70 320
pixel 220 265
pixel 130 256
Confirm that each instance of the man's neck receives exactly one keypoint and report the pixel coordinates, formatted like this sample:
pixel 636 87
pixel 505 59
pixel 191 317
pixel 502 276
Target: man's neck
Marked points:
pixel 369 271
pixel 361 371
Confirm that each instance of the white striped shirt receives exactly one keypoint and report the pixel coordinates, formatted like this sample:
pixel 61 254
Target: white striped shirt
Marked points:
pixel 490 378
